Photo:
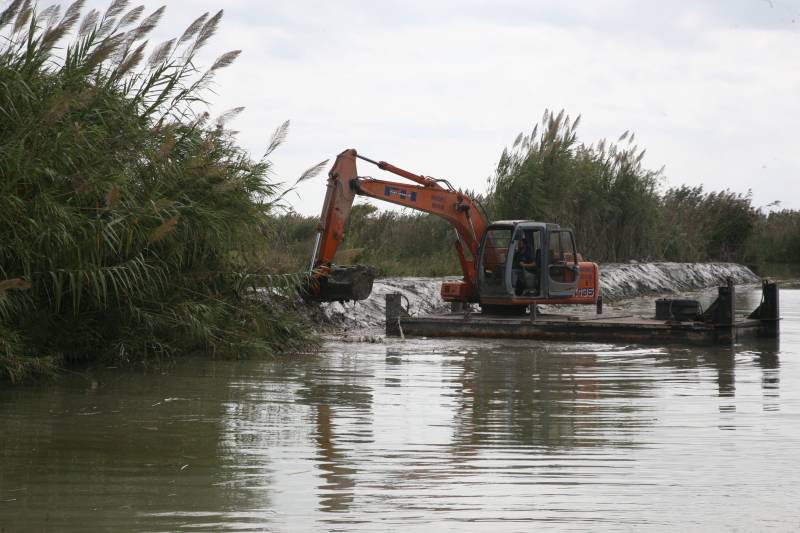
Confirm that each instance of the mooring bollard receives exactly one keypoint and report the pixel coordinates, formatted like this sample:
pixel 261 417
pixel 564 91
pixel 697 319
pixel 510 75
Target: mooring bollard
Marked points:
pixel 768 312
pixel 771 322
pixel 726 310
pixel 722 313
pixel 394 310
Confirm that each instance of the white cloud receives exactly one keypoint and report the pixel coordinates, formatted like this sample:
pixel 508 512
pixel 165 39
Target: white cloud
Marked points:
pixel 441 87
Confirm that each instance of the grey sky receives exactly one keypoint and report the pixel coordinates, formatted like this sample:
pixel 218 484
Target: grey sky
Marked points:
pixel 440 88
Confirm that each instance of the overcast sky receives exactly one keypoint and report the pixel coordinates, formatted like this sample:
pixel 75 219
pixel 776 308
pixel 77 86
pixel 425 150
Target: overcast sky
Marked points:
pixel 711 89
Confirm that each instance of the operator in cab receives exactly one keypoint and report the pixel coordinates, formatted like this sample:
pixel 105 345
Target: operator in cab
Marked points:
pixel 525 267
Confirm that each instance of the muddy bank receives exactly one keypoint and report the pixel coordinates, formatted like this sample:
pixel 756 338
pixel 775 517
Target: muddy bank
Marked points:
pixel 618 281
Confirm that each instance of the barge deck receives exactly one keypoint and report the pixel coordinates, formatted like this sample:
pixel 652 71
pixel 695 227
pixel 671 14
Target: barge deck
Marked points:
pixel 719 324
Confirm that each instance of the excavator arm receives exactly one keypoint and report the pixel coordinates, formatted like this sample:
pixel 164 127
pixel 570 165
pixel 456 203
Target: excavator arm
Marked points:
pixel 426 194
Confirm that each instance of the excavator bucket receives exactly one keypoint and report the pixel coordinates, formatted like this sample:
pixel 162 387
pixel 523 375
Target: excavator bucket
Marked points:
pixel 342 283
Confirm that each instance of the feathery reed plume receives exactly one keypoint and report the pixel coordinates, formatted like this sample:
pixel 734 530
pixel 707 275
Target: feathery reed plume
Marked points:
pixel 312 172
pixel 208 29
pixel 50 15
pixel 16 283
pixel 161 231
pixel 70 18
pixel 131 17
pixel 115 8
pixel 227 116
pixel 72 14
pixel 225 60
pixel 132 60
pixel 278 136
pixel 193 28
pixel 147 25
pixel 161 53
pixel 104 50
pixel 89 22
pixel 23 17
pixel 9 13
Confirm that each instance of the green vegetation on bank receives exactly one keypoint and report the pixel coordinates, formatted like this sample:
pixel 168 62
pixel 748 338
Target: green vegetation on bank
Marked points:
pixel 397 243
pixel 615 204
pixel 777 239
pixel 132 228
pixel 617 207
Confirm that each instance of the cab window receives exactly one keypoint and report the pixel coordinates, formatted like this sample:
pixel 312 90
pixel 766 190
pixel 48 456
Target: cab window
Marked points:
pixel 495 250
pixel 561 255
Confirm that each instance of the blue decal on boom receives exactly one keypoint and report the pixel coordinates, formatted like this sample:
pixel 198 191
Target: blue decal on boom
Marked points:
pixel 402 193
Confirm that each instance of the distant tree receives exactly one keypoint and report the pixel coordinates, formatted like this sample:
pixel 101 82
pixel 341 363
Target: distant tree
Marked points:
pixel 776 238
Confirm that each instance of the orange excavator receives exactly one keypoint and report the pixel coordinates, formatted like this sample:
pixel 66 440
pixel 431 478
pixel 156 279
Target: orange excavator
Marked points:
pixel 506 265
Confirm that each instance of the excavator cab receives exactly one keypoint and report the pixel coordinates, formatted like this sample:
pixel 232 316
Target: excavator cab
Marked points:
pixel 527 261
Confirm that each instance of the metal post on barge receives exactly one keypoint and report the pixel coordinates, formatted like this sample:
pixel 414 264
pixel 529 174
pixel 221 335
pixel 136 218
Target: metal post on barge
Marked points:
pixel 721 315
pixel 394 313
pixel 768 312
pixel 393 308
pixel 727 312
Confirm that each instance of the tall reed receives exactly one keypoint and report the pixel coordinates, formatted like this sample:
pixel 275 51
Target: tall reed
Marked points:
pixel 130 222
pixel 617 207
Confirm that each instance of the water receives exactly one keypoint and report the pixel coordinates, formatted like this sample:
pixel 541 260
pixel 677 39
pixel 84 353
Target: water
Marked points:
pixel 421 435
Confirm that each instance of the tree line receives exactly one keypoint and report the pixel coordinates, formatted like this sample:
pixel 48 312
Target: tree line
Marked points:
pixel 618 209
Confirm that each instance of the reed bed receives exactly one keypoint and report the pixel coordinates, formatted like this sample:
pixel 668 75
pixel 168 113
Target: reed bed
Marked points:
pixel 132 226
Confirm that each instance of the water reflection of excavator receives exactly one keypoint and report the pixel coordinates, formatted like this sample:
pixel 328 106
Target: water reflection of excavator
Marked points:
pixel 507 265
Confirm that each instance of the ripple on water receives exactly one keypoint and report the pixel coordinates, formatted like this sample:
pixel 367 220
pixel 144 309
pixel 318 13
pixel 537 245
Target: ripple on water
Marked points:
pixel 426 434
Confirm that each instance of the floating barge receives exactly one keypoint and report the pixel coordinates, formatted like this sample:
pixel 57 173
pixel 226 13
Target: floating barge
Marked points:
pixel 718 324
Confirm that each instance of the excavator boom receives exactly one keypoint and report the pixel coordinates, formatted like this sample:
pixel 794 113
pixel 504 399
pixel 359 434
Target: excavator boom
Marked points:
pixel 426 194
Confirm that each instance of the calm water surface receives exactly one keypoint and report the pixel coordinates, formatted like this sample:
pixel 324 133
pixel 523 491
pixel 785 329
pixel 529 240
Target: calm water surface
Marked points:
pixel 421 435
